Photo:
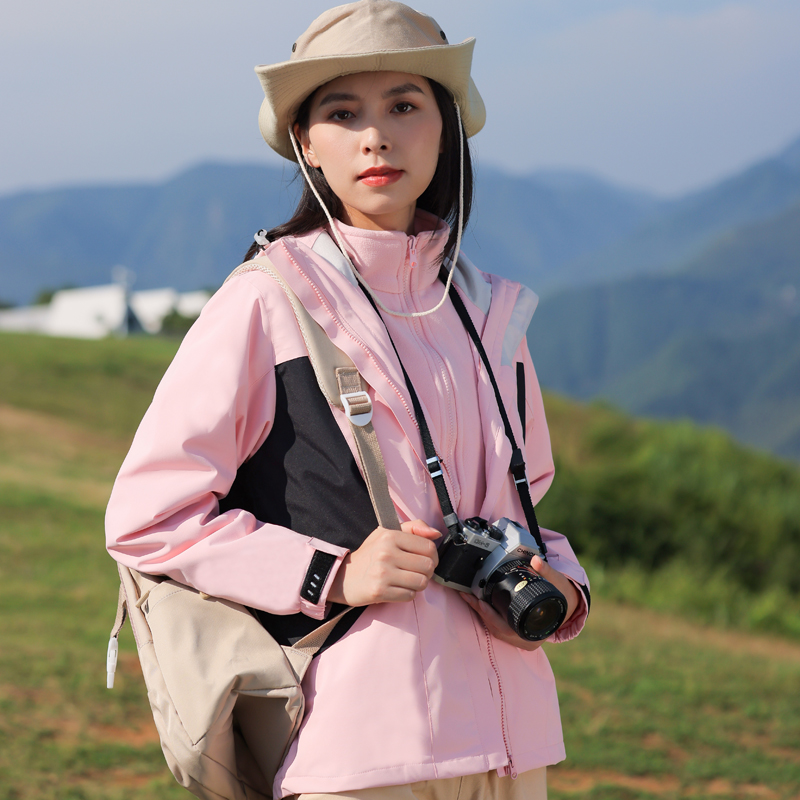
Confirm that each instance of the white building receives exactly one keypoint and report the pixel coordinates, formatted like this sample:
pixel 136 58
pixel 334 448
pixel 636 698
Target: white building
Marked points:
pixel 29 318
pixel 98 311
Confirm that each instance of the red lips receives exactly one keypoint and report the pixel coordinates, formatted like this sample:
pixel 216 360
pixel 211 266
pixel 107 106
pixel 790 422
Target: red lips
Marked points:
pixel 380 176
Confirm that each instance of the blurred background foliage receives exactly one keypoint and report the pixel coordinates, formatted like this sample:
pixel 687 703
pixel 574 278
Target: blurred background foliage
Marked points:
pixel 677 517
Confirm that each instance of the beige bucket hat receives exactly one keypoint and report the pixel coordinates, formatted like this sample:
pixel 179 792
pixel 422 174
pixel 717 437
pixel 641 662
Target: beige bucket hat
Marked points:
pixel 366 36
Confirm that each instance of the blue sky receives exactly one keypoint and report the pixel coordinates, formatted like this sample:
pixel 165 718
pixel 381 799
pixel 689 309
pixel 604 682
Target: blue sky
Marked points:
pixel 662 95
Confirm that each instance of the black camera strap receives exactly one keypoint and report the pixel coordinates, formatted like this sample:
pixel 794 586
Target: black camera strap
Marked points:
pixel 517 466
pixel 431 458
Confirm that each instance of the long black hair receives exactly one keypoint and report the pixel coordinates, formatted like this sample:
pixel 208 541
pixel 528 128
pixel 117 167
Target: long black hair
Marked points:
pixel 440 198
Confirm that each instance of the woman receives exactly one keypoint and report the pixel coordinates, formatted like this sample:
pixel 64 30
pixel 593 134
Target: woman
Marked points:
pixel 242 480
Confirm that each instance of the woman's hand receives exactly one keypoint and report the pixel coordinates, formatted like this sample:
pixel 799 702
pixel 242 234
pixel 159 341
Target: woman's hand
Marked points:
pixel 497 624
pixel 389 567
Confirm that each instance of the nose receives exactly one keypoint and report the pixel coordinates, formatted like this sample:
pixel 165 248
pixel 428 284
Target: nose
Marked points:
pixel 374 140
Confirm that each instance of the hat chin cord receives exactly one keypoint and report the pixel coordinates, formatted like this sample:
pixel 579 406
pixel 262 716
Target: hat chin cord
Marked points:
pixel 342 247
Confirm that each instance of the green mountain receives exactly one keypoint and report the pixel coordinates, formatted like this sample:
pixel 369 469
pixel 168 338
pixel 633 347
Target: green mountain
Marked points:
pixel 714 337
pixel 192 230
pixel 717 341
pixel 550 230
pixel 187 233
pixel 683 229
pixel 529 228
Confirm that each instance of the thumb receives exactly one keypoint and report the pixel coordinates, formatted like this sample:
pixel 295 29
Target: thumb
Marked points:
pixel 420 528
pixel 541 566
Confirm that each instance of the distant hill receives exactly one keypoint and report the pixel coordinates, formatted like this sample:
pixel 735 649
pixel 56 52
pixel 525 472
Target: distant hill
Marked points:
pixel 186 233
pixel 550 230
pixel 681 307
pixel 717 340
pixel 528 228
pixel 683 229
pixel 190 231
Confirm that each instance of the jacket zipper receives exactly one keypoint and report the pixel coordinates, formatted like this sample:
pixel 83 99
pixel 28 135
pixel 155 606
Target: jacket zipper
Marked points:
pixel 508 770
pixel 448 437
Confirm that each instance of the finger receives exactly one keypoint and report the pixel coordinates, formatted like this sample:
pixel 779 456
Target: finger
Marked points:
pixel 547 572
pixel 420 528
pixel 389 584
pixel 471 601
pixel 407 580
pixel 390 542
pixel 418 545
pixel 397 594
pixel 494 622
pixel 411 562
pixel 497 626
pixel 541 566
pixel 560 581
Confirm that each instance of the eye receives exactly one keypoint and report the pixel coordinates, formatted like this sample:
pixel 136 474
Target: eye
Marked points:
pixel 404 107
pixel 341 115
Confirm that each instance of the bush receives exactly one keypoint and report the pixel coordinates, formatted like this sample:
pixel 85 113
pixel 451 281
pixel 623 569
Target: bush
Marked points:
pixel 680 517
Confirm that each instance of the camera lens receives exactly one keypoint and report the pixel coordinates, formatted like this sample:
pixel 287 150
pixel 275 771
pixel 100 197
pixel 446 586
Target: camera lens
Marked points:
pixel 543 619
pixel 533 607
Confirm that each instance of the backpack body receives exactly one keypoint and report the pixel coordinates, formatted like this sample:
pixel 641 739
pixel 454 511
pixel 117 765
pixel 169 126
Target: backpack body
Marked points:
pixel 226 697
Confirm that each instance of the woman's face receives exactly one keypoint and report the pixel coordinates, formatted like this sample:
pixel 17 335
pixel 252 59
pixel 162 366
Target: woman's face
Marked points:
pixel 377 138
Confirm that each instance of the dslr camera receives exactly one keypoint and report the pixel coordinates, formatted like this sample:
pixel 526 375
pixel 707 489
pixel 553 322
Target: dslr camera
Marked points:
pixel 494 563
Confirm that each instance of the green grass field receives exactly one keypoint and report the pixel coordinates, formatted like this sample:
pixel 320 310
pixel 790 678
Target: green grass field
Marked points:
pixel 654 705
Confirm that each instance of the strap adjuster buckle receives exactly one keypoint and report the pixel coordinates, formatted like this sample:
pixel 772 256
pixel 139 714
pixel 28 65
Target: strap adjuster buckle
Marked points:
pixel 358 407
pixel 434 466
pixel 517 467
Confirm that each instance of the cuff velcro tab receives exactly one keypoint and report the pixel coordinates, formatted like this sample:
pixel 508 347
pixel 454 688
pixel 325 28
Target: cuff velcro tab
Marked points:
pixel 318 571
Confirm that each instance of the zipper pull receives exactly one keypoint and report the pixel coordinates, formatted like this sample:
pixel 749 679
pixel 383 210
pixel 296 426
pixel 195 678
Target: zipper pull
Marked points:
pixel 507 770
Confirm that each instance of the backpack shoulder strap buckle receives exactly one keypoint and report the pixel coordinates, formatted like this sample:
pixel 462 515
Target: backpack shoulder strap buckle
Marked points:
pixel 358 407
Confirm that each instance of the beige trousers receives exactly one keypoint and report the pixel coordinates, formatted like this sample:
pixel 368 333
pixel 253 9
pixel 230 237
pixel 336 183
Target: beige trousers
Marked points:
pixel 530 785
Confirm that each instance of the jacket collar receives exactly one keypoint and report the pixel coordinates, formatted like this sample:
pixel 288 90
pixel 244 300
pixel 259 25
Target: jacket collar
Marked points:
pixel 390 262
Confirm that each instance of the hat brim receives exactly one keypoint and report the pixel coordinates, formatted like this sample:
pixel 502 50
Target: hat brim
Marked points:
pixel 288 84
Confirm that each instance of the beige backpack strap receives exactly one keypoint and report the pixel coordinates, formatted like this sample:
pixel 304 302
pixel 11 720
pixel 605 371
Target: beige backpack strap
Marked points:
pixel 344 388
pixel 122 612
pixel 312 642
pixel 358 407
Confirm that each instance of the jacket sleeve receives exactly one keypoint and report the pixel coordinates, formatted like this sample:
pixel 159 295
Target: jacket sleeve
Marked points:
pixel 539 462
pixel 212 410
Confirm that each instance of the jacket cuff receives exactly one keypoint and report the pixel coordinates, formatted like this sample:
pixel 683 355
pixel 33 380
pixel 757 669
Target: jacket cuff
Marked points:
pixel 322 569
pixel 578 619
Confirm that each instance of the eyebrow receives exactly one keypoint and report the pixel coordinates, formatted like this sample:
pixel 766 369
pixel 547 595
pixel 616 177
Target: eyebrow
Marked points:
pixel 337 97
pixel 342 97
pixel 403 89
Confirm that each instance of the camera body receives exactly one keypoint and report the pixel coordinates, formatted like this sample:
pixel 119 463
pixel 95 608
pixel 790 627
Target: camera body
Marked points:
pixel 467 558
pixel 493 563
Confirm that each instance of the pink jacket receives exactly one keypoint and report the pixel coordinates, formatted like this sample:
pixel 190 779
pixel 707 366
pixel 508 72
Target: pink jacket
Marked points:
pixel 414 691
